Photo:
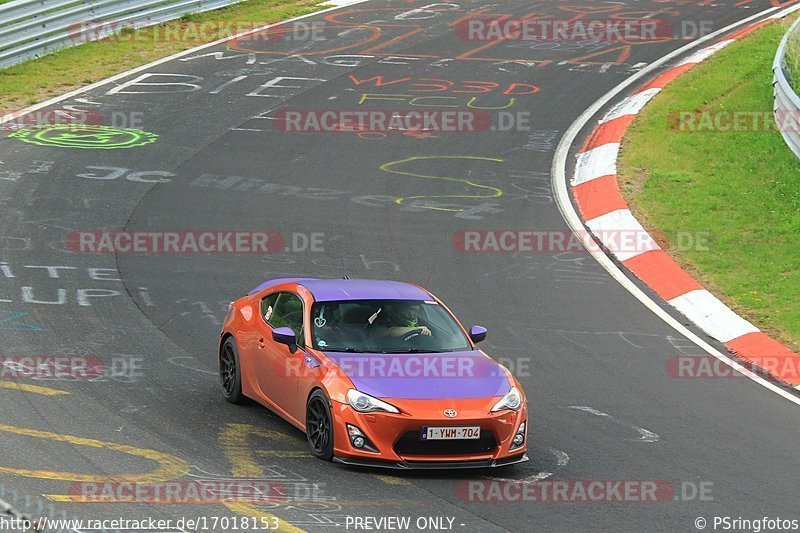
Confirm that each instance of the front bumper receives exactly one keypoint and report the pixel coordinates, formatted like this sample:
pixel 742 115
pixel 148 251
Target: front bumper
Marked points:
pixel 392 435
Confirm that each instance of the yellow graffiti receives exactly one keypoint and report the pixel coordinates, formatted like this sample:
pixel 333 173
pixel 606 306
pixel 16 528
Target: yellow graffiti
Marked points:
pixel 71 498
pixel 170 467
pixel 234 441
pixel 393 480
pixel 44 391
pixel 283 454
pixel 490 192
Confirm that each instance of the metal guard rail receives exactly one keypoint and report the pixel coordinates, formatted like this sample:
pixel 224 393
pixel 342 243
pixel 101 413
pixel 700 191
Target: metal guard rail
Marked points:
pixel 34 28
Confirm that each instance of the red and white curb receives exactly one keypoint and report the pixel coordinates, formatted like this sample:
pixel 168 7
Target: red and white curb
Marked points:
pixel 605 212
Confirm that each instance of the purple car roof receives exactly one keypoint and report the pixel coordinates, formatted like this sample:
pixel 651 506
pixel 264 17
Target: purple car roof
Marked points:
pixel 330 290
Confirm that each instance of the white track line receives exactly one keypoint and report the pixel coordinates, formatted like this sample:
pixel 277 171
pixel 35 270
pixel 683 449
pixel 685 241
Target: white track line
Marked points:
pixel 559 184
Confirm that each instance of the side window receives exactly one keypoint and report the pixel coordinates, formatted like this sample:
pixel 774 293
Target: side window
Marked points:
pixel 268 306
pixel 288 313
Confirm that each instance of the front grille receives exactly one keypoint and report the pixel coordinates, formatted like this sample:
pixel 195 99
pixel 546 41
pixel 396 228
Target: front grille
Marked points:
pixel 410 443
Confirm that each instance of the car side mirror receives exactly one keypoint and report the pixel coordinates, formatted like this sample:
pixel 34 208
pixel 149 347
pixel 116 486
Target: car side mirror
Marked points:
pixel 284 336
pixel 477 334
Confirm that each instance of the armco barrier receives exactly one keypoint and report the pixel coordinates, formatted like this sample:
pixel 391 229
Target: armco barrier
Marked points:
pixel 33 28
pixel 787 103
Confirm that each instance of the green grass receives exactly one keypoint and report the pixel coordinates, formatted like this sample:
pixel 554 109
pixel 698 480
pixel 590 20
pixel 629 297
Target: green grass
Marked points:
pixel 741 190
pixel 793 60
pixel 68 69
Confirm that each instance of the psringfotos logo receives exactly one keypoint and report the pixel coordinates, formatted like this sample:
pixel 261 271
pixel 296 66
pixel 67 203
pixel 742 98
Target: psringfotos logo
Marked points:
pixel 87 137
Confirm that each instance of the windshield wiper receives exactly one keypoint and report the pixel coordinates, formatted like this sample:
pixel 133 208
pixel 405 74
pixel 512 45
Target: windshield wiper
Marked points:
pixel 349 349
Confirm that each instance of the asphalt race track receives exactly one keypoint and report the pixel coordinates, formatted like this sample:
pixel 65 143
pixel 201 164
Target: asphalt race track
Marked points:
pixel 386 205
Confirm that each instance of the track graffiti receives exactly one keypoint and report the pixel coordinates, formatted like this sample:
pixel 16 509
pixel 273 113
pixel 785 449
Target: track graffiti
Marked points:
pixel 433 202
pixel 85 137
pixel 13 321
pixel 169 467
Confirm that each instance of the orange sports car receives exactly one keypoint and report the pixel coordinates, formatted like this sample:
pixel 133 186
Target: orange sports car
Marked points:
pixel 376 373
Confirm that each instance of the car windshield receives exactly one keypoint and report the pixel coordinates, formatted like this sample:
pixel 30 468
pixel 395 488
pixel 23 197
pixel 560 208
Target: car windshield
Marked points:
pixel 385 326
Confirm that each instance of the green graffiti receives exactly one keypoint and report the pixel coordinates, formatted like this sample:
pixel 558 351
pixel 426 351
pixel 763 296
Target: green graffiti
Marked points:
pixel 12 321
pixel 84 137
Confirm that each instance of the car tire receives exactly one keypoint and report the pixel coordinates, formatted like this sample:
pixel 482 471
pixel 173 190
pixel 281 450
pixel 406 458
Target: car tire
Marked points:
pixel 319 426
pixel 230 372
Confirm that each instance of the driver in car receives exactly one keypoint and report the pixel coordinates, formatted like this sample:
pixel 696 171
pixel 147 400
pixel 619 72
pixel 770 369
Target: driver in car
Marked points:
pixel 401 320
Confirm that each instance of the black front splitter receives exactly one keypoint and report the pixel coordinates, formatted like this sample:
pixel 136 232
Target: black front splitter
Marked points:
pixel 433 465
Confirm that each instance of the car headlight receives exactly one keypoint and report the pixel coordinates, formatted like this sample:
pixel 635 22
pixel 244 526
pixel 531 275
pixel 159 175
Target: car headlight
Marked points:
pixel 512 400
pixel 364 403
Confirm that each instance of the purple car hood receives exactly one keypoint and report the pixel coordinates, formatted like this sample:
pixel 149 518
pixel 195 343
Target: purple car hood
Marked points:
pixel 424 376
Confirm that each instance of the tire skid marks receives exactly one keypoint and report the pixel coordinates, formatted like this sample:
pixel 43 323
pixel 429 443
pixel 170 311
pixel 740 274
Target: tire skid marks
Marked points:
pixel 562 459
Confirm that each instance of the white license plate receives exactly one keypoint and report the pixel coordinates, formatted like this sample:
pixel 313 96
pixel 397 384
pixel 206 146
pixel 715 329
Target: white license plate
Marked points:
pixel 451 433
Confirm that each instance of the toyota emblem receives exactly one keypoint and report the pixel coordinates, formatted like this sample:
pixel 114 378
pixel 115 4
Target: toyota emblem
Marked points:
pixel 450 413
